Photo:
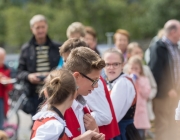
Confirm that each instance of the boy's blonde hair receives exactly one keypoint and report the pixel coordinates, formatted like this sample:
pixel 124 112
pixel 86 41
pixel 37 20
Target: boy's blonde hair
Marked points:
pixel 84 60
pixel 76 27
pixel 138 61
pixel 90 30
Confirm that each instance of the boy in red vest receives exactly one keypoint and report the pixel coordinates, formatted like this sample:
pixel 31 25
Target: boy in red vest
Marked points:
pixel 98 101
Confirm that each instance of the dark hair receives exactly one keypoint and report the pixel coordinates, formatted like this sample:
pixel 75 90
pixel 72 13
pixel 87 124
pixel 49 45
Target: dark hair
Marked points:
pixel 91 31
pixel 60 84
pixel 71 44
pixel 84 60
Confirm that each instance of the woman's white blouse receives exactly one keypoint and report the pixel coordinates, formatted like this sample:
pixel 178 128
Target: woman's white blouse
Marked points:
pixel 122 96
pixel 52 129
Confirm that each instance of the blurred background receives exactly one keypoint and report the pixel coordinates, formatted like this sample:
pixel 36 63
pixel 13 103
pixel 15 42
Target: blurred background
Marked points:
pixel 142 18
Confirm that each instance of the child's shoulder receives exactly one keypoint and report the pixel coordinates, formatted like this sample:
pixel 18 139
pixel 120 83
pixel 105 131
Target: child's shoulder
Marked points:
pixel 48 128
pixel 125 77
pixel 125 80
pixel 50 119
pixel 47 114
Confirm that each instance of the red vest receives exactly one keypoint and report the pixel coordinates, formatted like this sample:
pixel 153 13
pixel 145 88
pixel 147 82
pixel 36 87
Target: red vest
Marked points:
pixel 111 130
pixel 72 123
pixel 38 123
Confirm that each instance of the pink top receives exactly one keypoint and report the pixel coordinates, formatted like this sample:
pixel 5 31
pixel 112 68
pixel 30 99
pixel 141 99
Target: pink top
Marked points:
pixel 141 120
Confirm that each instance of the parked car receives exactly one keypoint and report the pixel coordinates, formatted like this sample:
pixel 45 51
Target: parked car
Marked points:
pixel 12 61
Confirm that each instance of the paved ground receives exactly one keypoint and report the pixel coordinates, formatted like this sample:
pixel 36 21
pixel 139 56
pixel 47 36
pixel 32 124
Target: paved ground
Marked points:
pixel 25 124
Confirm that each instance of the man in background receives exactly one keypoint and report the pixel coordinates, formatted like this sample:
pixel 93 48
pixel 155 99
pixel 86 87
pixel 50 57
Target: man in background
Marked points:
pixel 165 66
pixel 38 56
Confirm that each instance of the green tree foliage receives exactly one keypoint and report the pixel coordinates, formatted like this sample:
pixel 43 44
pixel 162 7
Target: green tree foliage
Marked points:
pixel 2 30
pixel 142 18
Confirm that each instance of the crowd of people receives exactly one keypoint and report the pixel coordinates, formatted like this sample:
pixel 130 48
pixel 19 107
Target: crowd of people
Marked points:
pixel 77 94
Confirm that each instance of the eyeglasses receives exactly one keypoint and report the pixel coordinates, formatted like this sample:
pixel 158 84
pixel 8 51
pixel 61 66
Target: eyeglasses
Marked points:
pixel 94 82
pixel 115 65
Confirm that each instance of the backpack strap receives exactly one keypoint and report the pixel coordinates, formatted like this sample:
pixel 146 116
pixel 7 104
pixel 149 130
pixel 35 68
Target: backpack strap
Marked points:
pixel 135 98
pixel 62 134
pixel 57 111
pixel 61 116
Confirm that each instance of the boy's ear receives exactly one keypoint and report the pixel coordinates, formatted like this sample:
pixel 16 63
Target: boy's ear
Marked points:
pixel 76 75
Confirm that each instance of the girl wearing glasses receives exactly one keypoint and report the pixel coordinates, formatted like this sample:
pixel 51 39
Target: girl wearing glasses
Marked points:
pixel 122 92
pixel 60 90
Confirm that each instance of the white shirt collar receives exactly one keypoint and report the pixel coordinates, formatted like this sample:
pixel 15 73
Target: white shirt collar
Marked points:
pixel 76 105
pixel 123 75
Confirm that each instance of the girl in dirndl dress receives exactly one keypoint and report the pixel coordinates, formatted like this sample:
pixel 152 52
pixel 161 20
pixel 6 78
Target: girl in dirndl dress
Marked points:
pixel 123 94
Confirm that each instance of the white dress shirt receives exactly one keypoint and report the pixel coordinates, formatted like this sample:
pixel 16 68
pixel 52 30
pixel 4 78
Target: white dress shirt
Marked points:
pixel 99 105
pixel 122 96
pixel 52 129
pixel 78 110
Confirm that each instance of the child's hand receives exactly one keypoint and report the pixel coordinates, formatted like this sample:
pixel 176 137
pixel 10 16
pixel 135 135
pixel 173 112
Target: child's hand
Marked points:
pixel 134 77
pixel 99 136
pixel 135 73
pixel 90 123
pixel 90 135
